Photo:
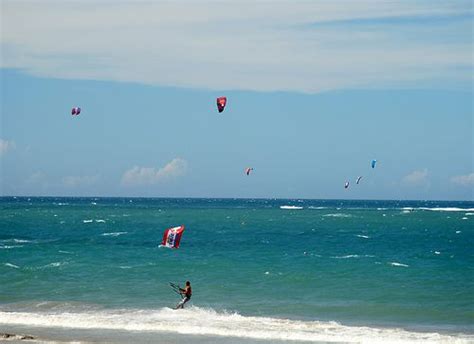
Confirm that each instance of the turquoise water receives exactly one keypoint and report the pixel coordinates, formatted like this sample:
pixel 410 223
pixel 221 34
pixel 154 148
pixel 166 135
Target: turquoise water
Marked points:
pixel 262 269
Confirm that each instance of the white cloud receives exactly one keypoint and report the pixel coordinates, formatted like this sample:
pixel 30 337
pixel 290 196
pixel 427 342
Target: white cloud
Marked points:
pixel 466 180
pixel 150 175
pixel 6 146
pixel 418 177
pixel 253 45
pixel 77 181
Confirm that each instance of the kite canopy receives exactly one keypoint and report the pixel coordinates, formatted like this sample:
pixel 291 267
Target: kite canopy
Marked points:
pixel 247 170
pixel 172 237
pixel 346 185
pixel 221 102
pixel 358 179
pixel 75 111
pixel 373 163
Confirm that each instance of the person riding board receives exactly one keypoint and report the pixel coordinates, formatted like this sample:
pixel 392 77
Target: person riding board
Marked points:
pixel 186 293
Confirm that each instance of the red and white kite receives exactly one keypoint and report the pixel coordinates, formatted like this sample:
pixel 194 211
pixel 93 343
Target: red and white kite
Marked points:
pixel 172 237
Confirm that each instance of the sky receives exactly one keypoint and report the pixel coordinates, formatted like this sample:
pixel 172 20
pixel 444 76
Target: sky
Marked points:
pixel 315 89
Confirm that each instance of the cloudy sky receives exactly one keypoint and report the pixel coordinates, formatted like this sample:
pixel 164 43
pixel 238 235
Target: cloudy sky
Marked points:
pixel 316 90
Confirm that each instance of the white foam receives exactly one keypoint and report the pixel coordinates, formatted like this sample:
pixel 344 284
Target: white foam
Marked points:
pixel 100 221
pixel 464 218
pixel 353 256
pixel 437 252
pixel 469 214
pixel 21 240
pixel 447 209
pixel 54 265
pixel 88 221
pixel 291 207
pixel 11 265
pixel 7 247
pixel 317 208
pixel 362 236
pixel 347 256
pixel 399 264
pixel 337 215
pixel 199 321
pixel 114 234
pixel 438 209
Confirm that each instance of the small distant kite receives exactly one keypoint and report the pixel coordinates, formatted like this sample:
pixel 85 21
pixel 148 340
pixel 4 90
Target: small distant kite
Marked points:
pixel 221 102
pixel 346 185
pixel 75 111
pixel 247 170
pixel 358 179
pixel 373 163
pixel 172 237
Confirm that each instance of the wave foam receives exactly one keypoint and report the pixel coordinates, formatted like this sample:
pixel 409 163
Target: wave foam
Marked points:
pixel 199 321
pixel 114 234
pixel 7 247
pixel 353 256
pixel 337 215
pixel 290 207
pixel 439 209
pixel 399 264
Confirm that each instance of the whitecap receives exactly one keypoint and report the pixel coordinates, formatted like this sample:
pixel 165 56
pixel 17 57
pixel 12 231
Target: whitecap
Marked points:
pixel 54 265
pixel 362 236
pixel 337 215
pixel 100 221
pixel 353 256
pixel 447 209
pixel 114 234
pixel 7 247
pixel 457 232
pixel 317 208
pixel 399 264
pixel 347 256
pixel 469 214
pixel 437 252
pixel 464 218
pixel 12 265
pixel 88 221
pixel 290 207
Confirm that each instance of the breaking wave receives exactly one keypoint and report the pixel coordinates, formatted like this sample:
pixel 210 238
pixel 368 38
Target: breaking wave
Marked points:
pixel 201 321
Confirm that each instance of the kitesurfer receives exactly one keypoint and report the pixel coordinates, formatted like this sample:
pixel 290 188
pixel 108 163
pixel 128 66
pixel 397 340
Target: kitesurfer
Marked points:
pixel 186 293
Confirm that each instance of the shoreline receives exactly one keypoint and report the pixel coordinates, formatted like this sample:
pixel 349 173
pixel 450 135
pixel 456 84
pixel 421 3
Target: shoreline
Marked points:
pixel 203 326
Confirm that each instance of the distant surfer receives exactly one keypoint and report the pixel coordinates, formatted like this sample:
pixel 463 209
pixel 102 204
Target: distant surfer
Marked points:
pixel 186 294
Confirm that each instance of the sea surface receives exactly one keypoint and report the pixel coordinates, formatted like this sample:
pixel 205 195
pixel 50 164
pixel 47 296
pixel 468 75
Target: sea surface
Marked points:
pixel 262 270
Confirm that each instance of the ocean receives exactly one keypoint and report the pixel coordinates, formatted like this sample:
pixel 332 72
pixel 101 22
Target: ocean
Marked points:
pixel 262 270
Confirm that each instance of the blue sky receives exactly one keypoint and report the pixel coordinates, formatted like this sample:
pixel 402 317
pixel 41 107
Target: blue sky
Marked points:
pixel 316 90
